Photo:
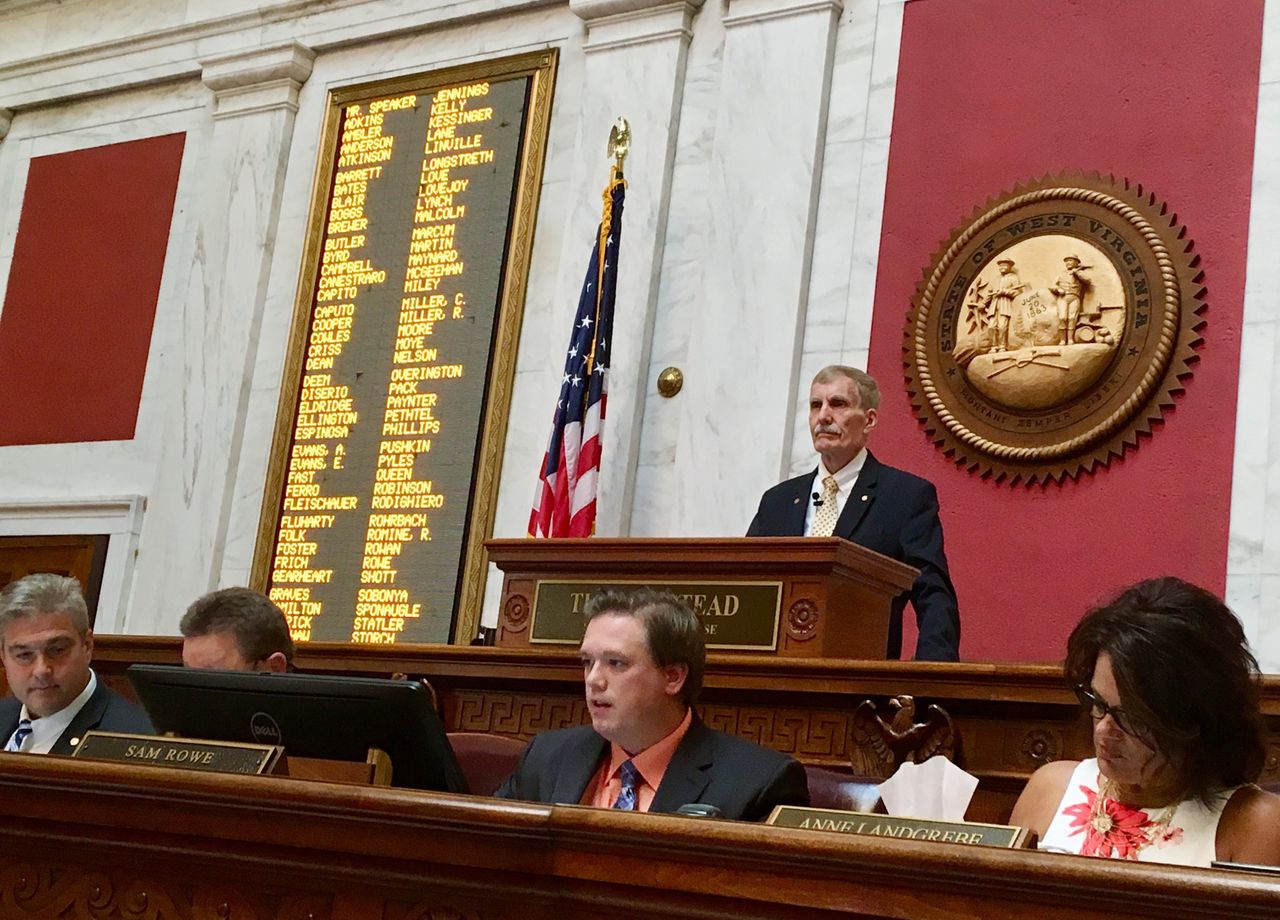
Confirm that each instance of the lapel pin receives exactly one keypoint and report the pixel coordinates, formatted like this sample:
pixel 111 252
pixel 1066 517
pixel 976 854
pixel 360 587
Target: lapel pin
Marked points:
pixel 865 497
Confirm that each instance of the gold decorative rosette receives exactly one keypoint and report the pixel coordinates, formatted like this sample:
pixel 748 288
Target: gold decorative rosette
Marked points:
pixel 1054 327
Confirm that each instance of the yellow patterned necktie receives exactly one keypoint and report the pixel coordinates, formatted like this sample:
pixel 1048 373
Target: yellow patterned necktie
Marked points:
pixel 824 516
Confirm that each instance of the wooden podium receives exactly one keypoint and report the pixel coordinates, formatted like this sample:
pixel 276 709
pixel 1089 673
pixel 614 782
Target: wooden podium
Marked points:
pixel 823 597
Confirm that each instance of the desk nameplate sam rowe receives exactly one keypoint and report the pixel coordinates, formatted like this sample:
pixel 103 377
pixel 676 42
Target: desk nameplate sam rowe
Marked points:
pixel 180 753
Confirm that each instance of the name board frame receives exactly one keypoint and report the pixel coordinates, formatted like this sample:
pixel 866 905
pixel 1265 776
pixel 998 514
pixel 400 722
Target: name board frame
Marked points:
pixel 754 639
pixel 928 830
pixel 539 68
pixel 181 753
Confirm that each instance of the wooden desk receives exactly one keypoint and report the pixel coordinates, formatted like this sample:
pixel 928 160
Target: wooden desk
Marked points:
pixel 1011 718
pixel 100 840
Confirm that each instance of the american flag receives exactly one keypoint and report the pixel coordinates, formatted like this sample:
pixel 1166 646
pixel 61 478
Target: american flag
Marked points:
pixel 565 502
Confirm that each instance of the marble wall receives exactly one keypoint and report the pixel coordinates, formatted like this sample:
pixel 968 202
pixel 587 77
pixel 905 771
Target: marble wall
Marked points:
pixel 753 217
pixel 1253 558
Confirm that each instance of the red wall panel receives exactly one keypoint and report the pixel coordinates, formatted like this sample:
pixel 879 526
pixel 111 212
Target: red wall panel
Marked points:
pixel 993 92
pixel 75 329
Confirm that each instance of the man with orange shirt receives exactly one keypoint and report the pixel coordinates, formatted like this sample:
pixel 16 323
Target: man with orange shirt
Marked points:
pixel 643 655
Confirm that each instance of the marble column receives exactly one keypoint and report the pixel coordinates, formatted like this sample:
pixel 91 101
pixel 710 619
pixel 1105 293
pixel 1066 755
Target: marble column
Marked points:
pixel 746 333
pixel 634 56
pixel 846 249
pixel 245 152
pixel 1253 554
pixel 625 39
pixel 6 251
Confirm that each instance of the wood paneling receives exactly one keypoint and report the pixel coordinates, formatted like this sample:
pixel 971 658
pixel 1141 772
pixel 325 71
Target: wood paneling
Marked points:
pixel 835 601
pixel 80 557
pixel 85 840
pixel 1010 719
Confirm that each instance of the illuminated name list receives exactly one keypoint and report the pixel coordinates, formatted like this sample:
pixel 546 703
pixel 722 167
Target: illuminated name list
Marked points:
pixel 373 514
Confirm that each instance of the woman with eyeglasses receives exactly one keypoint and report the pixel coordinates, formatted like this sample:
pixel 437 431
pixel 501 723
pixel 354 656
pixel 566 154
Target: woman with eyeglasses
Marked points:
pixel 1167 677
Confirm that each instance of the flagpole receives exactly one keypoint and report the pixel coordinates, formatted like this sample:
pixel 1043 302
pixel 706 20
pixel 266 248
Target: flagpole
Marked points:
pixel 619 143
pixel 565 501
pixel 619 146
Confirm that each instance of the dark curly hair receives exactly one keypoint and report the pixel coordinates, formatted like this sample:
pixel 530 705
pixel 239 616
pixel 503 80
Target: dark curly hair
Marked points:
pixel 1184 669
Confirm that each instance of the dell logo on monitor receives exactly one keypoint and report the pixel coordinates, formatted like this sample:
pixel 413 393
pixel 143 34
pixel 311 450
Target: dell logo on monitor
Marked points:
pixel 264 729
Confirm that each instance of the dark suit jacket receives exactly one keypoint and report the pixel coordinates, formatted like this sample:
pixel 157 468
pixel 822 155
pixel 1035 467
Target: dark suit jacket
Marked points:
pixel 105 710
pixel 895 514
pixel 742 779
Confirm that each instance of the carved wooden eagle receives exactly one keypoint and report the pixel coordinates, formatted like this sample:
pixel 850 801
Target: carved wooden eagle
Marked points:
pixel 880 747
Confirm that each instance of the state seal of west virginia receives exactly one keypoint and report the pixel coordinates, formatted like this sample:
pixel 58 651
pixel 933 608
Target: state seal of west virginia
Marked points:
pixel 1053 327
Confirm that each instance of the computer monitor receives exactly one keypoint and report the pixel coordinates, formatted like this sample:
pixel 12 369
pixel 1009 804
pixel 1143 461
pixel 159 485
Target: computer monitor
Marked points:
pixel 309 715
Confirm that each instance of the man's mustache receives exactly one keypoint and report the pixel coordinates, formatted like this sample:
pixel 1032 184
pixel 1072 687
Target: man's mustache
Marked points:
pixel 826 429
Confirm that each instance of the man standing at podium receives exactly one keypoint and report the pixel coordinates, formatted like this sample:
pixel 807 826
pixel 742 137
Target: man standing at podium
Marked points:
pixel 46 644
pixel 643 655
pixel 853 495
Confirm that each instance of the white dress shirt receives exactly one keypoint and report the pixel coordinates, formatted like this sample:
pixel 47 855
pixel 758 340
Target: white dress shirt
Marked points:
pixel 846 478
pixel 45 732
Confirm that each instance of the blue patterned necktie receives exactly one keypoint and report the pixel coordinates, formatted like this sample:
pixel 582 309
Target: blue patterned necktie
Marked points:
pixel 630 776
pixel 20 736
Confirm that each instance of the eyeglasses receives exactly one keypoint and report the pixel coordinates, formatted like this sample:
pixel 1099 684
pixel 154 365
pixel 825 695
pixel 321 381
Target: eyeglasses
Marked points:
pixel 1098 710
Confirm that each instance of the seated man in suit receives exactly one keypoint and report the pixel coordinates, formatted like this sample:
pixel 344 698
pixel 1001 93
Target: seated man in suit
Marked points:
pixel 236 629
pixel 853 495
pixel 643 655
pixel 46 645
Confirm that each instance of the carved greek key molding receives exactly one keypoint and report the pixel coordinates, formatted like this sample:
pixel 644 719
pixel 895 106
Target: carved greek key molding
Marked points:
pixel 512 714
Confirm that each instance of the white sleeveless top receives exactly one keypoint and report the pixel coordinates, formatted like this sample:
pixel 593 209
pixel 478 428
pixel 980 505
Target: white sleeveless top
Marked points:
pixel 1089 824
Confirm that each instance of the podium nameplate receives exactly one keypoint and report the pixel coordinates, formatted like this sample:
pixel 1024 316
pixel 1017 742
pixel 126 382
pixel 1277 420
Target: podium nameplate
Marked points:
pixel 739 615
pixel 181 753
pixel 968 833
